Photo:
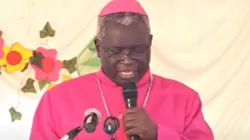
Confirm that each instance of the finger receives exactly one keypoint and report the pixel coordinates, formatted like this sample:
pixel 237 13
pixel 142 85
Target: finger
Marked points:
pixel 129 117
pixel 130 125
pixel 133 132
pixel 120 116
pixel 132 110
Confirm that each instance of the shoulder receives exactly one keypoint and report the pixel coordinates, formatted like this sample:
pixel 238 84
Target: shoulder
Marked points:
pixel 73 86
pixel 178 89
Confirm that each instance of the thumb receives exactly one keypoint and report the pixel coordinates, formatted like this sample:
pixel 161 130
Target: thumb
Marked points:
pixel 120 116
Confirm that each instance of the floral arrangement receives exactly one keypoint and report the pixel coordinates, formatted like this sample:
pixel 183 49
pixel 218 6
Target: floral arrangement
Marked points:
pixel 42 61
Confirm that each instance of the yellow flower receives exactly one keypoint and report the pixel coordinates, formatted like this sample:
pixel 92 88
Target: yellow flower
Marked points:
pixel 15 58
pixel 64 78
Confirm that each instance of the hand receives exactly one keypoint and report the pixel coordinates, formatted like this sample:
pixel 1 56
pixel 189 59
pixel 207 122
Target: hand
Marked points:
pixel 136 121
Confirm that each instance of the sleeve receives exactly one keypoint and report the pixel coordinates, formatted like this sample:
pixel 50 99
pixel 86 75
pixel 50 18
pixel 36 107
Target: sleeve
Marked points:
pixel 196 127
pixel 43 127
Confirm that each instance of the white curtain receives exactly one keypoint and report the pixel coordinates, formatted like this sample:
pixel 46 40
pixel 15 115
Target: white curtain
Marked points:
pixel 203 43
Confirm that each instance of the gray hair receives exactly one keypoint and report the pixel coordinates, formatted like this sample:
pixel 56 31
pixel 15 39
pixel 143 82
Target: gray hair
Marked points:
pixel 120 18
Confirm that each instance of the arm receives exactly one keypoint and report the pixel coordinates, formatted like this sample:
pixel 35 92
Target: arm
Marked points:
pixel 196 127
pixel 43 127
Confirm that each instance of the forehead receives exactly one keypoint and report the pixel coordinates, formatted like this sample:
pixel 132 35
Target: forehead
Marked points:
pixel 125 36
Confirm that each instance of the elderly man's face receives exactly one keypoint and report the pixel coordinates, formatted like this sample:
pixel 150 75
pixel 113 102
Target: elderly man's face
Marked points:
pixel 125 52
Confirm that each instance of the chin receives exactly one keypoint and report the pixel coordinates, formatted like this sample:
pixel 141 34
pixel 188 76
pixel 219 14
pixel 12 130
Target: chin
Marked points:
pixel 121 81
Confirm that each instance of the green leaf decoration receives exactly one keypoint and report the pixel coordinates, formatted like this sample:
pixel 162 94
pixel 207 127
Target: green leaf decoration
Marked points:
pixel 15 115
pixel 84 57
pixel 70 65
pixel 36 59
pixel 43 83
pixel 25 67
pixel 29 86
pixel 91 45
pixel 47 31
pixel 94 62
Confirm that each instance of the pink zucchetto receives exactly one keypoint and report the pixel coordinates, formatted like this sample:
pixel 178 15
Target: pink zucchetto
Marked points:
pixel 116 6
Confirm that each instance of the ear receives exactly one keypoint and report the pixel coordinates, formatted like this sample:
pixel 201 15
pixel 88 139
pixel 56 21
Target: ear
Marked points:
pixel 97 47
pixel 150 39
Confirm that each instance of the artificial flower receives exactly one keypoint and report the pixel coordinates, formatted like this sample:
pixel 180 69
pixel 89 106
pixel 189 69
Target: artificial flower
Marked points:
pixel 15 58
pixel 1 47
pixel 64 78
pixel 45 64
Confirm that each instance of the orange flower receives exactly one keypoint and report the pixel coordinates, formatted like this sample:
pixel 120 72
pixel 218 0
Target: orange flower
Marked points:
pixel 15 58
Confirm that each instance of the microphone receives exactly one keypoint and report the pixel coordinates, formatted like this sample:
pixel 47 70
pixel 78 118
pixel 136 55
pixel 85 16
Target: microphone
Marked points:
pixel 129 92
pixel 111 125
pixel 72 133
pixel 91 120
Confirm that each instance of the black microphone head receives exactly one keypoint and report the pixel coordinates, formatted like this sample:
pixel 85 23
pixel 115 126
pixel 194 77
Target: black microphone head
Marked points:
pixel 129 90
pixel 111 125
pixel 90 128
pixel 92 111
pixel 91 120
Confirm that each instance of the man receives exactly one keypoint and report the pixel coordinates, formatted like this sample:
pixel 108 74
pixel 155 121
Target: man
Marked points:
pixel 167 109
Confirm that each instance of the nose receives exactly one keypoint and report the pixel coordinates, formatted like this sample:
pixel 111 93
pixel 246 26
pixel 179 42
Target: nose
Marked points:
pixel 128 59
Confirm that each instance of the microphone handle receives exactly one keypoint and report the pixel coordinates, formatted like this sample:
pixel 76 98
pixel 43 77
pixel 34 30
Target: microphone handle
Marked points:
pixel 134 138
pixel 72 133
pixel 66 137
pixel 130 103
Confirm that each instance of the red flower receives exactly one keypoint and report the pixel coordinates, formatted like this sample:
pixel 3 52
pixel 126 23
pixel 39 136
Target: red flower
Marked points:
pixel 45 64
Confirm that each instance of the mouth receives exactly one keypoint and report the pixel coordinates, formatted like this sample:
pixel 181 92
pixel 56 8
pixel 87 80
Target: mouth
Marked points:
pixel 127 74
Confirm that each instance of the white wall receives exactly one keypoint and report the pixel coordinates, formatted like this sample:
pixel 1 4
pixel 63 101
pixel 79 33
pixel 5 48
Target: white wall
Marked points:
pixel 19 129
pixel 203 43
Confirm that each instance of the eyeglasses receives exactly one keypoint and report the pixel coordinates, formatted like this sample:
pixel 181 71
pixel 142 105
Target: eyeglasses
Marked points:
pixel 119 53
